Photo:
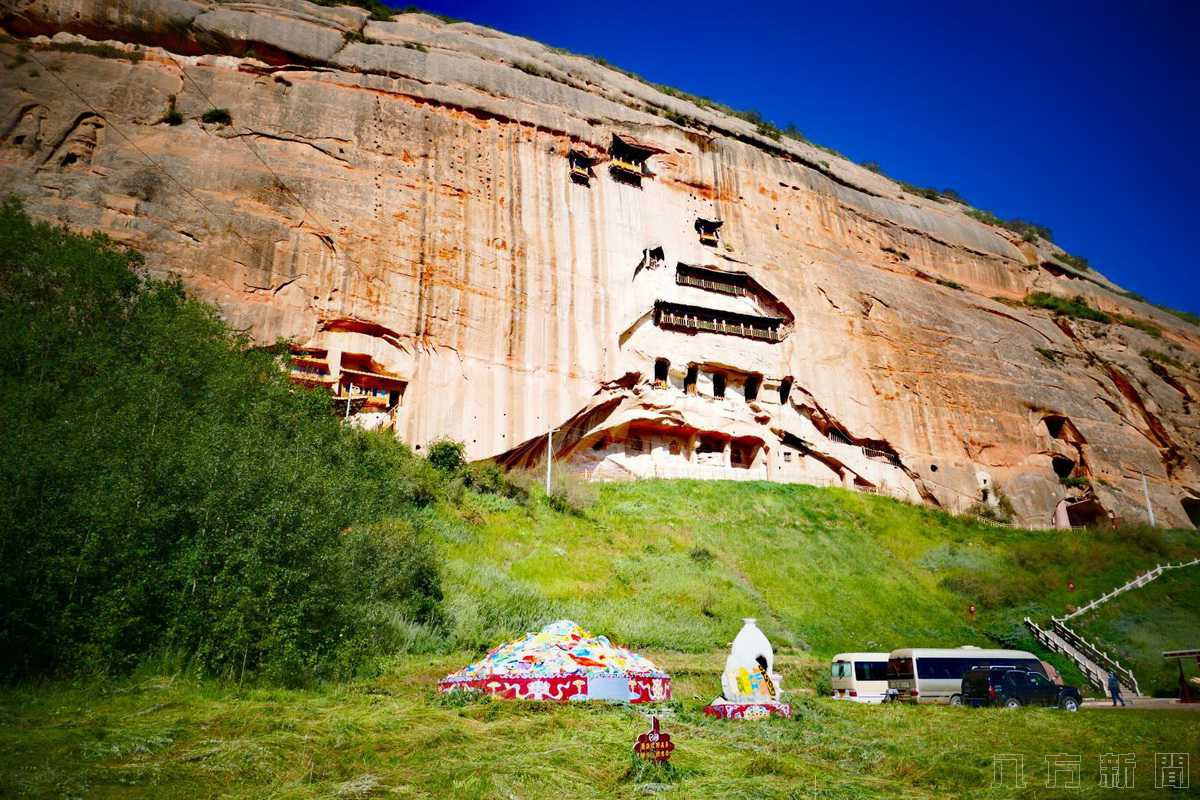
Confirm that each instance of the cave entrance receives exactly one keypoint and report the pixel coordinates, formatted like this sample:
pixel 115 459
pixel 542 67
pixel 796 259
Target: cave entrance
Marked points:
pixel 661 368
pixel 1061 428
pixel 1191 507
pixel 718 382
pixel 689 381
pixel 753 384
pixel 1063 466
pixel 742 453
pixel 1087 514
pixel 785 390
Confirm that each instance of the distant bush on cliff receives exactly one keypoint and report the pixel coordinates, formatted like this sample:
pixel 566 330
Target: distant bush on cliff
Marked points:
pixel 1029 231
pixel 166 490
pixel 1076 307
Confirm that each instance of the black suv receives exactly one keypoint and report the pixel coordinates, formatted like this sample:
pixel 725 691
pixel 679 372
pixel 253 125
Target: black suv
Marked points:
pixel 1013 687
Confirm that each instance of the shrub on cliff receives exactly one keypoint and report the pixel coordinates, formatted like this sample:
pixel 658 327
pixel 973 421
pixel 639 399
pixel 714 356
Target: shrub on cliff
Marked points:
pixel 165 489
pixel 1076 307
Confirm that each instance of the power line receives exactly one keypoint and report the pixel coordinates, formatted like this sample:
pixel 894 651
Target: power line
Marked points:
pixel 134 145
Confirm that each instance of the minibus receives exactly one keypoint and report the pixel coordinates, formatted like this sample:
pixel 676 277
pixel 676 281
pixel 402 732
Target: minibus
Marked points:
pixel 926 675
pixel 860 677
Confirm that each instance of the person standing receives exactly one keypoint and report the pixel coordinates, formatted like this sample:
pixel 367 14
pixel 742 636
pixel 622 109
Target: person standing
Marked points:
pixel 1114 688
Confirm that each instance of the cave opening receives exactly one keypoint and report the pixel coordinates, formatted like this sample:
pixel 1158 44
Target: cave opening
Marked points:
pixel 1191 507
pixel 661 368
pixel 785 390
pixel 753 384
pixel 1063 466
pixel 718 382
pixel 689 380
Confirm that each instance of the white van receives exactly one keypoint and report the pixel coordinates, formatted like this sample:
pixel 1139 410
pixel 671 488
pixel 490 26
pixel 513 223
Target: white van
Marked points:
pixel 861 677
pixel 926 675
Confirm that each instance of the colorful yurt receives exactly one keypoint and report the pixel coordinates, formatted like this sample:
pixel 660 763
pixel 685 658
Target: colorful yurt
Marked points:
pixel 563 662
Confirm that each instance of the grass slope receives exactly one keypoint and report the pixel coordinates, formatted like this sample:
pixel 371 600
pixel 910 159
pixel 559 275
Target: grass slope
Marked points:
pixel 677 564
pixel 1138 626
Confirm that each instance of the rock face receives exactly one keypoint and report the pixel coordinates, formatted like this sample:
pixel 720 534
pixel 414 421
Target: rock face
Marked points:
pixel 490 239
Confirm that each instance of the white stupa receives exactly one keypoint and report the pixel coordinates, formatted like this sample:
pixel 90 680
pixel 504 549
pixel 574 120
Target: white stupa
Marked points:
pixel 751 688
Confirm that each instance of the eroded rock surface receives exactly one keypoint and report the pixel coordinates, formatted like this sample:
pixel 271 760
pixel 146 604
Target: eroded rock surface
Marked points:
pixel 397 198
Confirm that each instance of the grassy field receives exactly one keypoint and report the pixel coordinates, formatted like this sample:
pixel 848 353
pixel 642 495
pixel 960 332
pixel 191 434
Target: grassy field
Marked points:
pixel 1138 626
pixel 391 736
pixel 670 568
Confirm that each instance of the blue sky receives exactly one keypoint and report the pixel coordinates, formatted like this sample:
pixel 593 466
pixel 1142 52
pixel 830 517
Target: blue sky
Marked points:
pixel 1078 117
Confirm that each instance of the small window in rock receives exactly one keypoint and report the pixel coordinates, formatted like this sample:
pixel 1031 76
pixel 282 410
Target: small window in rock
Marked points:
pixel 753 382
pixel 661 367
pixel 785 390
pixel 718 384
pixel 600 444
pixel 635 444
pixel 933 467
pixel 673 447
pixel 710 444
pixel 689 382
pixel 787 455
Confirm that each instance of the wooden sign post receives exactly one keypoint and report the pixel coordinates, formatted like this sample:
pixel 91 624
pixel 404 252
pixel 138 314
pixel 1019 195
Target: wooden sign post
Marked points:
pixel 654 745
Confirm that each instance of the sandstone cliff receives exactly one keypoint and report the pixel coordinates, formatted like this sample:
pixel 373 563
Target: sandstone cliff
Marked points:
pixel 397 198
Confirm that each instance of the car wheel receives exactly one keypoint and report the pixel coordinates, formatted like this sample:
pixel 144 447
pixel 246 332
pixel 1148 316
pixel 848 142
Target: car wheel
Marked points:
pixel 956 700
pixel 1012 702
pixel 1070 704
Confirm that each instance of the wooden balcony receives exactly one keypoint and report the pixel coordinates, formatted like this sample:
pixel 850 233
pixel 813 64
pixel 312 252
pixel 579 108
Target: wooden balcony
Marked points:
pixel 767 329
pixel 627 167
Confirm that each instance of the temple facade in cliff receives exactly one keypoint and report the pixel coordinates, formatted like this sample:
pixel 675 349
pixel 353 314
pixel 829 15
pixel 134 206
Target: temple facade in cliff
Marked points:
pixel 469 234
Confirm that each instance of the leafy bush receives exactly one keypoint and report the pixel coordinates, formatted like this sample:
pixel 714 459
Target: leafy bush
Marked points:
pixel 487 477
pixel 173 117
pixel 1076 307
pixel 165 488
pixel 446 455
pixel 216 116
pixel 949 284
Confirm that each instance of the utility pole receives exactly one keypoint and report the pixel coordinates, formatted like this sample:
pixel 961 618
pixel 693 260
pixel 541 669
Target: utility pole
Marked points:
pixel 1146 493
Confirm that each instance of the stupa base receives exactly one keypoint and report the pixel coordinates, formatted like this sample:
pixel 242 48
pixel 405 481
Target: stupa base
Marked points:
pixel 727 709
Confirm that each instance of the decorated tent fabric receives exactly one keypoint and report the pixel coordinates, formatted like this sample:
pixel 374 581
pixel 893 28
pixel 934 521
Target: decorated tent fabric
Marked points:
pixel 562 662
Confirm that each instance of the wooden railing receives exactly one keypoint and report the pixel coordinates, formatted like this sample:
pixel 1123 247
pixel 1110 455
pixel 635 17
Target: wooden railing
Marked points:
pixel 750 331
pixel 725 287
pixel 1136 583
pixel 626 166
